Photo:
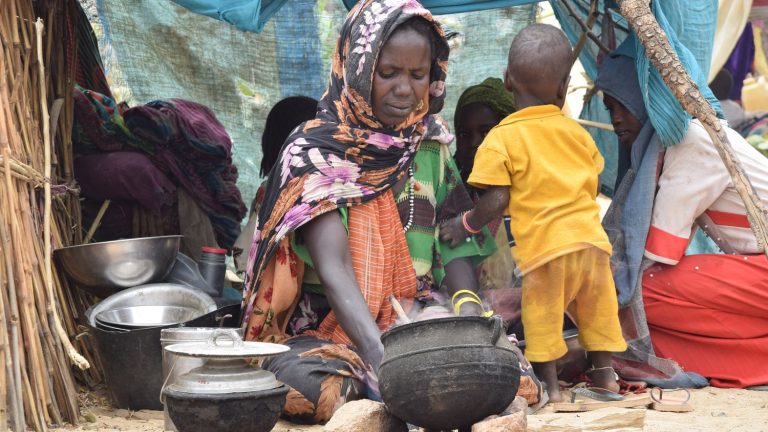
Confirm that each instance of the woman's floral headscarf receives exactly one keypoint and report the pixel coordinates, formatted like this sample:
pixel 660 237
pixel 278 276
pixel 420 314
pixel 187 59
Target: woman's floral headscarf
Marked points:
pixel 346 156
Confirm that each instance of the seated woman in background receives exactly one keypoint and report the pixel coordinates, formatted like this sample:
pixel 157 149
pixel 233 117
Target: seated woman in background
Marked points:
pixel 707 312
pixel 282 119
pixel 479 109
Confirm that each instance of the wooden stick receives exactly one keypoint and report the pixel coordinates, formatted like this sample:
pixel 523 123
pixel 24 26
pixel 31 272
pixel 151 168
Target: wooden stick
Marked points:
pixel 19 416
pixel 399 309
pixel 665 59
pixel 593 15
pixel 587 31
pixel 74 356
pixel 96 221
pixel 594 124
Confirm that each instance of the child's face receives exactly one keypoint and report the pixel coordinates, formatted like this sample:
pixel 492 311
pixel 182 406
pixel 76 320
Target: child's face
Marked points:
pixel 625 125
pixel 472 122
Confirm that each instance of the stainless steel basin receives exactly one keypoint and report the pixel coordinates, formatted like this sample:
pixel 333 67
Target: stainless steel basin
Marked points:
pixel 147 316
pixel 161 294
pixel 107 267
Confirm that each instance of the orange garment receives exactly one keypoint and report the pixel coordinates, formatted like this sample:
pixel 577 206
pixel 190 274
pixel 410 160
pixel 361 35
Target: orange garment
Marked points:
pixel 709 313
pixel 382 267
pixel 381 262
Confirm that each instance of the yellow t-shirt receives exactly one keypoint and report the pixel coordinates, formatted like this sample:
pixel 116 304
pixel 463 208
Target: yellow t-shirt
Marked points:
pixel 551 165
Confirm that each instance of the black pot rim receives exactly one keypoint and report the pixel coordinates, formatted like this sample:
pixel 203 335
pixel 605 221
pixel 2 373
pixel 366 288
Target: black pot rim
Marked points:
pixel 412 325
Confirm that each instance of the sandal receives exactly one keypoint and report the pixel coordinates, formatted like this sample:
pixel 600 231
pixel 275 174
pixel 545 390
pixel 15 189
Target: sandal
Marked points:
pixel 662 402
pixel 591 398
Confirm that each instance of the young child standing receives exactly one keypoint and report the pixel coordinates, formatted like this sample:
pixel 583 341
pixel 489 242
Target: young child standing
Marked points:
pixel 542 168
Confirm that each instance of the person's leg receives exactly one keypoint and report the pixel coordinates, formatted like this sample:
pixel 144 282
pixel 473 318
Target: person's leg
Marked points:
pixel 543 305
pixel 547 373
pixel 596 312
pixel 321 377
pixel 602 373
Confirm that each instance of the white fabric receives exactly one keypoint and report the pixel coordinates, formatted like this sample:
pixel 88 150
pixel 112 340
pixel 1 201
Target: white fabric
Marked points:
pixel 693 180
pixel 732 16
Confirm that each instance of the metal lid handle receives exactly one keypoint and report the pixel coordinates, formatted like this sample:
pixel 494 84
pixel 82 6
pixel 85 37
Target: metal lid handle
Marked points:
pixel 229 334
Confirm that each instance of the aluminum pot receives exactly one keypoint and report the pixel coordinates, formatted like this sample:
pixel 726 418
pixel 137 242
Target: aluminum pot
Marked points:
pixel 133 362
pixel 173 365
pixel 227 393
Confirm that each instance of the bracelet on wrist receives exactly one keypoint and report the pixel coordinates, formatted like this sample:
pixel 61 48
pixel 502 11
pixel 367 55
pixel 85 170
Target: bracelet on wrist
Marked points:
pixel 465 222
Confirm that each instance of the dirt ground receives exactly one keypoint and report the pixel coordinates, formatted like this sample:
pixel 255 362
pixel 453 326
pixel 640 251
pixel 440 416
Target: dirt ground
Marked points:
pixel 715 410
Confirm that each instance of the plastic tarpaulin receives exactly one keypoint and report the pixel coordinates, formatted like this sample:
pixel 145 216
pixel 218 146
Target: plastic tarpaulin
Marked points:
pixel 441 7
pixel 155 49
pixel 248 15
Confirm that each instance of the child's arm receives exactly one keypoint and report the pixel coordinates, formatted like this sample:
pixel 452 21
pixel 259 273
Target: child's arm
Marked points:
pixel 490 206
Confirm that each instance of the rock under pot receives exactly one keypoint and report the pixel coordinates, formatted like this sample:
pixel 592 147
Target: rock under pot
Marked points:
pixel 448 373
pixel 227 393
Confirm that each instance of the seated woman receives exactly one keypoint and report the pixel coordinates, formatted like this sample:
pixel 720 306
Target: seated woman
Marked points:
pixel 479 109
pixel 707 312
pixel 349 196
pixel 282 119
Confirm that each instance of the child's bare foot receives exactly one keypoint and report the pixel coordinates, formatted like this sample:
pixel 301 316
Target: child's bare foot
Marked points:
pixel 547 373
pixel 554 394
pixel 602 373
pixel 605 378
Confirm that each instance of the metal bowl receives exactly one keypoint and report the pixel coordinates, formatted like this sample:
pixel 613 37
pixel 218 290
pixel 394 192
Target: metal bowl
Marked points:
pixel 162 294
pixel 105 268
pixel 147 316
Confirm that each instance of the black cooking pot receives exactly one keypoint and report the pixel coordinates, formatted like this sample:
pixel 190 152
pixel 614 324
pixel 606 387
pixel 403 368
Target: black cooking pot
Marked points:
pixel 133 360
pixel 232 412
pixel 448 373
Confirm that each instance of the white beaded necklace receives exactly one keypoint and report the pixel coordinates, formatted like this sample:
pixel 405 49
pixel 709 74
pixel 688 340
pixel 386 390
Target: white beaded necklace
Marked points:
pixel 411 194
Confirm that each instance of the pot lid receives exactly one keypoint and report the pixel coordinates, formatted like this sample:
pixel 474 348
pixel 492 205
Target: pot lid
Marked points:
pixel 226 343
pixel 225 376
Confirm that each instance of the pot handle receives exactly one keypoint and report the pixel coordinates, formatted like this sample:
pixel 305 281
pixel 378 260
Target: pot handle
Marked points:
pixel 225 333
pixel 497 328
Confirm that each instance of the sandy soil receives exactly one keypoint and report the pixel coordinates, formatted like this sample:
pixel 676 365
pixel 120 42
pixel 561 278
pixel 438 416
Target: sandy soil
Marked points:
pixel 715 410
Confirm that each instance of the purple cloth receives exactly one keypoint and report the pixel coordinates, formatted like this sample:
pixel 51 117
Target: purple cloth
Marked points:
pixel 124 175
pixel 193 148
pixel 740 61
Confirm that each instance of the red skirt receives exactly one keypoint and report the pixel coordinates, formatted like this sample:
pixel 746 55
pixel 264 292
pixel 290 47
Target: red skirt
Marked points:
pixel 710 314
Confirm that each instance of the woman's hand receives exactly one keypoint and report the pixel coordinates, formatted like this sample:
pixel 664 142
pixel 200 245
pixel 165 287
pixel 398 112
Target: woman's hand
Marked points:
pixel 328 245
pixel 452 232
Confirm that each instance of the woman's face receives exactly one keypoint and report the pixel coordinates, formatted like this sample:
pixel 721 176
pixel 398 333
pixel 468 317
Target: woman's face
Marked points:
pixel 401 78
pixel 625 125
pixel 473 122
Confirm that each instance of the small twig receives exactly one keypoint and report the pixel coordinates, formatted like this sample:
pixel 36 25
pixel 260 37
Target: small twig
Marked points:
pixel 96 221
pixel 594 124
pixel 399 309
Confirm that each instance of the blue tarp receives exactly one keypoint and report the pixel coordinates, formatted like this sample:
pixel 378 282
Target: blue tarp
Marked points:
pixel 252 15
pixel 246 15
pixel 440 7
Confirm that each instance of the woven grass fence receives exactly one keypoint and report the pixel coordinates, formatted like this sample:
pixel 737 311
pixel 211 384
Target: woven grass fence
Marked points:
pixel 42 354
